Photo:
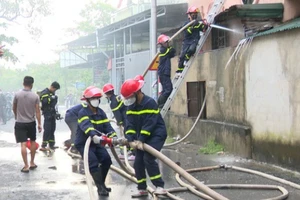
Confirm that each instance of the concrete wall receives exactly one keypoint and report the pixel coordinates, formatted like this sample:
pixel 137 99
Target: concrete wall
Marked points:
pixel 273 97
pixel 225 92
pixel 258 94
pixel 210 67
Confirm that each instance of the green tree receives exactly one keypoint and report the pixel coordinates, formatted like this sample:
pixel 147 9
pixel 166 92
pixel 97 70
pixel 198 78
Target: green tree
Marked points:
pixel 94 15
pixel 13 12
pixel 44 75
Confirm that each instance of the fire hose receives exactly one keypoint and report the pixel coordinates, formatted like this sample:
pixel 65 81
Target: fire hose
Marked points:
pixel 158 155
pixel 198 186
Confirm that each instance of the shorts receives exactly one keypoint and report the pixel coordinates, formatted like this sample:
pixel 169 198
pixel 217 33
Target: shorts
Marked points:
pixel 23 131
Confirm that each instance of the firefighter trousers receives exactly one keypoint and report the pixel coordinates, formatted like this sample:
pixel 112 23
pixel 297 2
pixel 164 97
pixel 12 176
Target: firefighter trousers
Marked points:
pixel 146 161
pixel 49 129
pixel 98 158
pixel 73 125
pixel 187 51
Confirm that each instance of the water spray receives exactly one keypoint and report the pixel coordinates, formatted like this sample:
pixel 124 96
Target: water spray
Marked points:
pixel 223 28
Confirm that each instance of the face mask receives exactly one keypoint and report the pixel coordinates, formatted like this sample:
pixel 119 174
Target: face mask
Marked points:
pixel 194 16
pixel 129 101
pixel 95 102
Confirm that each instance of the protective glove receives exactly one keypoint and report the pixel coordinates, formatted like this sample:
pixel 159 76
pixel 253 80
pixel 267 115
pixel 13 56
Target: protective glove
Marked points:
pixel 205 25
pixel 132 145
pixel 97 139
pixel 53 97
pixel 136 144
pixel 140 145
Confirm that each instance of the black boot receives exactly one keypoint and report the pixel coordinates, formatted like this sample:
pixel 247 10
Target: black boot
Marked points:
pixel 161 101
pixel 97 176
pixel 104 172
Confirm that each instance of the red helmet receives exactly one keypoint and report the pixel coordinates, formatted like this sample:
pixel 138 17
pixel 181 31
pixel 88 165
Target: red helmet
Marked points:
pixel 131 86
pixel 139 78
pixel 91 92
pixel 108 87
pixel 192 9
pixel 162 39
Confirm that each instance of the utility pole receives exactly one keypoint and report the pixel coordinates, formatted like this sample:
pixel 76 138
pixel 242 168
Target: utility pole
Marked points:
pixel 153 29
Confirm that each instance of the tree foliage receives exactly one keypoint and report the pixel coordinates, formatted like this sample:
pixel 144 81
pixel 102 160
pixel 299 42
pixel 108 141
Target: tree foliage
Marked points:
pixel 13 11
pixel 44 75
pixel 94 15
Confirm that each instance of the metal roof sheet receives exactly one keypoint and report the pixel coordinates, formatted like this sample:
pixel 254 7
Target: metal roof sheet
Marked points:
pixel 295 23
pixel 258 11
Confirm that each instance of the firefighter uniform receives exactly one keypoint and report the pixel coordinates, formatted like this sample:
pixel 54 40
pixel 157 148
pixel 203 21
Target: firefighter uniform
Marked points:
pixel 49 101
pixel 118 108
pixel 164 73
pixel 190 42
pixel 71 119
pixel 87 123
pixel 145 123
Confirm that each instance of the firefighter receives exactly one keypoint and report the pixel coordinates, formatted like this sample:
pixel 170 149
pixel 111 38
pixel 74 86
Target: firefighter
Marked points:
pixel 144 125
pixel 164 68
pixel 119 110
pixel 71 119
pixel 191 38
pixel 92 121
pixel 116 104
pixel 49 101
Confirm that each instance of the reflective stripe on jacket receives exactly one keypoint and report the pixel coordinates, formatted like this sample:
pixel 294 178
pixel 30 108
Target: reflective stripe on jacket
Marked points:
pixel 144 120
pixel 88 122
pixel 164 67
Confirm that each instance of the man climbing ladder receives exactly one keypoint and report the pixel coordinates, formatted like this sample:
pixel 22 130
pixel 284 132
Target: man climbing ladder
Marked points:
pixel 215 9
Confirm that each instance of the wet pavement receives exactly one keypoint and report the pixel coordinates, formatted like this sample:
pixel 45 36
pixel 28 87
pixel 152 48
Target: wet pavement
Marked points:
pixel 60 177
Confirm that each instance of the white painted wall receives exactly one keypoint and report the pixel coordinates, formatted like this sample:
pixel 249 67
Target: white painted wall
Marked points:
pixel 271 71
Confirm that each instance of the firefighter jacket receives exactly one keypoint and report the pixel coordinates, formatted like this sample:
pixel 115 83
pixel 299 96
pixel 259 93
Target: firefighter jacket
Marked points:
pixel 72 113
pixel 144 121
pixel 165 55
pixel 118 108
pixel 48 101
pixel 88 122
pixel 192 33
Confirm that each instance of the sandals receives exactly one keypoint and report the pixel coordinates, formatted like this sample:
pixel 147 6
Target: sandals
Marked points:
pixel 24 170
pixel 33 167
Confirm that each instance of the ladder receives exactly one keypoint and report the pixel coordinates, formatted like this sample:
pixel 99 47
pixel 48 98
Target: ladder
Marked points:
pixel 215 9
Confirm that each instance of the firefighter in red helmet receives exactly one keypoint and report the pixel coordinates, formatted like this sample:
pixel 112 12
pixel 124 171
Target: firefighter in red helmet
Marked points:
pixel 166 52
pixel 91 121
pixel 144 125
pixel 119 110
pixel 191 38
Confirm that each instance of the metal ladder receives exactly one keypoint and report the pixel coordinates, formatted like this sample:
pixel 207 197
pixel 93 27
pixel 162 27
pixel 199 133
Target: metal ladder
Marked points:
pixel 216 7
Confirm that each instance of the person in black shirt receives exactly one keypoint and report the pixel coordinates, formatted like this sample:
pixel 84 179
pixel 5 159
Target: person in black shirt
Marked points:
pixel 49 101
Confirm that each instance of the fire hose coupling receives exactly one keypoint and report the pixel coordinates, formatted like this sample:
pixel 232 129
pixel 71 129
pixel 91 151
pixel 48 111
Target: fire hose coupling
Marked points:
pixel 224 166
pixel 119 141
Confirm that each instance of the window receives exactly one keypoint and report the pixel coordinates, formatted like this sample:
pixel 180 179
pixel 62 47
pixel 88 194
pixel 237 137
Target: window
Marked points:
pixel 219 38
pixel 195 98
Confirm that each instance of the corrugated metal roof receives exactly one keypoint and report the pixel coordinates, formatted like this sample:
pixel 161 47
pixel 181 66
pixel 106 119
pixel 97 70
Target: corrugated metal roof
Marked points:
pixel 254 11
pixel 283 27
